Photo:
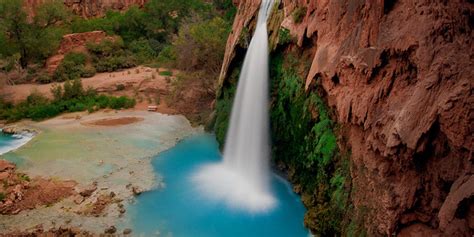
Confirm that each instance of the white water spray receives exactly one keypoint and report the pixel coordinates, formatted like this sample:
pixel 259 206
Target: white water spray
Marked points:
pixel 242 179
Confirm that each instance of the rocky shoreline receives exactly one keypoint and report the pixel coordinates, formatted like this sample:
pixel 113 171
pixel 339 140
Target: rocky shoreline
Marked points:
pixel 14 129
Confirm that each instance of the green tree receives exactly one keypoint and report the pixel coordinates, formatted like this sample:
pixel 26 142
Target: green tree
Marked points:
pixel 200 47
pixel 32 39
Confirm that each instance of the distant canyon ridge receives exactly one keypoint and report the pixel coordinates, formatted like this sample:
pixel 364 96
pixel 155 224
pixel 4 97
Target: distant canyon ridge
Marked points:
pixel 89 8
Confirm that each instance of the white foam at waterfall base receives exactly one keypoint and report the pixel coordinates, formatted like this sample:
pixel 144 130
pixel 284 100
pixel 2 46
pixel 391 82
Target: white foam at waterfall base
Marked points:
pixel 221 183
pixel 242 179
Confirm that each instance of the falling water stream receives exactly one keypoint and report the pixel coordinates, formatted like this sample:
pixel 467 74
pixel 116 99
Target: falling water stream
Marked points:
pixel 242 179
pixel 205 195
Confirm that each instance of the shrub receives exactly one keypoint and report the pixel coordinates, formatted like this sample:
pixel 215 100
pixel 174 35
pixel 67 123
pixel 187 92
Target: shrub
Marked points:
pixel 88 71
pixel 120 87
pixel 284 36
pixel 44 79
pixel 72 89
pixel 35 98
pixel 75 58
pixel 167 54
pixel 121 102
pixel 143 50
pixel 110 56
pixel 72 67
pixel 106 47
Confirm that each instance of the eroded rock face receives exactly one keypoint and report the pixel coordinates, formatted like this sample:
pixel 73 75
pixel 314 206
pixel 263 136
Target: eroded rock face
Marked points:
pixel 89 8
pixel 398 76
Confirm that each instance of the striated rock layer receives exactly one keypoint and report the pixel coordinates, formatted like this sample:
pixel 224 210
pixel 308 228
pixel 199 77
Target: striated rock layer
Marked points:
pixel 399 77
pixel 89 8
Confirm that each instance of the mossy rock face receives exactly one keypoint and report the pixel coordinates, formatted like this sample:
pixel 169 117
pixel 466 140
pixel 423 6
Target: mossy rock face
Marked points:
pixel 305 142
pixel 224 104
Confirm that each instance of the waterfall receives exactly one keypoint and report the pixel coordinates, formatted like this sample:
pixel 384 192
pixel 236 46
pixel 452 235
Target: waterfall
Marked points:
pixel 242 179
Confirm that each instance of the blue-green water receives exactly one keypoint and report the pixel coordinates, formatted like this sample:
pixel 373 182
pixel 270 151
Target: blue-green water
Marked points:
pixel 178 210
pixel 12 142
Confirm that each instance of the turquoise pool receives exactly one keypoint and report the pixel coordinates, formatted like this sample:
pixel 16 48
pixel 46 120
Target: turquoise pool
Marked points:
pixel 178 210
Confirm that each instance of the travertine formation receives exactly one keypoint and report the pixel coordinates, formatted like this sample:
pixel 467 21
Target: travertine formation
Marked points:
pixel 399 78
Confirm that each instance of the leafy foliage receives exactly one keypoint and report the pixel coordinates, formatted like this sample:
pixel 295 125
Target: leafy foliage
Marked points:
pixel 72 67
pixel 109 56
pixel 33 40
pixel 284 36
pixel 200 49
pixel 71 97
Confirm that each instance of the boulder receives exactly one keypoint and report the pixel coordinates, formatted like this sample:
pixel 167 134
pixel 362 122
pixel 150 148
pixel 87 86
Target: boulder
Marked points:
pixel 87 190
pixel 110 230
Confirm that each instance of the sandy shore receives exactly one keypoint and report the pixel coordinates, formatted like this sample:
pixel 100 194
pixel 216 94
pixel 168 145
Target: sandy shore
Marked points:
pixel 110 150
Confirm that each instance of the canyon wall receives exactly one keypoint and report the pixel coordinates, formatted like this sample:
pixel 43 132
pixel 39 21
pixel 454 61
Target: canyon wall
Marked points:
pixel 397 80
pixel 89 8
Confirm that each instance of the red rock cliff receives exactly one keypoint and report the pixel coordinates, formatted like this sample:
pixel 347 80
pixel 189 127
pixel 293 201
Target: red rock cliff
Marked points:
pixel 399 77
pixel 90 8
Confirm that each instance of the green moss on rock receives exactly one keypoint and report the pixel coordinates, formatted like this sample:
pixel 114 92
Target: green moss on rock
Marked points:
pixel 305 145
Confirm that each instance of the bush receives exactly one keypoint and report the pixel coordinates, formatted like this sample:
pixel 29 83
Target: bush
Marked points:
pixel 72 89
pixel 167 54
pixel 284 36
pixel 143 50
pixel 44 79
pixel 75 58
pixel 88 71
pixel 110 56
pixel 35 98
pixel 120 87
pixel 72 67
pixel 121 102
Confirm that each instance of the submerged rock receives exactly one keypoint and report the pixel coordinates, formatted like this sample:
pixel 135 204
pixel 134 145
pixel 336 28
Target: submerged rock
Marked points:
pixel 110 230
pixel 136 190
pixel 127 231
